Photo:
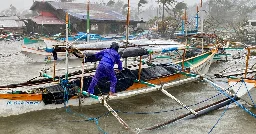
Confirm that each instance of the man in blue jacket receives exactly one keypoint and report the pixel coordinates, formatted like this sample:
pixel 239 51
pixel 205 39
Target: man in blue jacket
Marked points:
pixel 109 57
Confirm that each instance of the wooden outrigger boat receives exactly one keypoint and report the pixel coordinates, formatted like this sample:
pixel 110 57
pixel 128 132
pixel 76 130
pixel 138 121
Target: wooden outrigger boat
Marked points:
pixel 136 79
pixel 45 54
pixel 242 81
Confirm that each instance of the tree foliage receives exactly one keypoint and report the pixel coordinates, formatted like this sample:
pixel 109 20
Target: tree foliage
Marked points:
pixel 171 19
pixel 140 3
pixel 67 0
pixel 229 15
pixel 111 3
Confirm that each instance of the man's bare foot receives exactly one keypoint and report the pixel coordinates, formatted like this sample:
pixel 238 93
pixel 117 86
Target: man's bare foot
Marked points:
pixel 112 94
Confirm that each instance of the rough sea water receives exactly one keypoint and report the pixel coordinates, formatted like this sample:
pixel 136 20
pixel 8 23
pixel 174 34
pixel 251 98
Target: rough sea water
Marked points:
pixel 16 67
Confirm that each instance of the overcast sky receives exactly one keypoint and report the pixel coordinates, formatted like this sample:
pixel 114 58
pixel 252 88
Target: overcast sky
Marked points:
pixel 26 4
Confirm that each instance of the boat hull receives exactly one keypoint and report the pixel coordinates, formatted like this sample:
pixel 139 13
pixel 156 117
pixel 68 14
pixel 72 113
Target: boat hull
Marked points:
pixel 43 56
pixel 244 89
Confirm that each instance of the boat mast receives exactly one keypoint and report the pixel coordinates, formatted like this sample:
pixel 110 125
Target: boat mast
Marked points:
pixel 202 24
pixel 127 30
pixel 88 21
pixel 66 75
pixel 186 31
pixel 197 17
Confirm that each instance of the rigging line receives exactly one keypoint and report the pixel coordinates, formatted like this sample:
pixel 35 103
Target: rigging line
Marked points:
pixel 174 98
pixel 172 110
pixel 178 101
pixel 226 94
pixel 227 90
pixel 126 126
pixel 223 113
pixel 248 93
pixel 95 120
pixel 165 111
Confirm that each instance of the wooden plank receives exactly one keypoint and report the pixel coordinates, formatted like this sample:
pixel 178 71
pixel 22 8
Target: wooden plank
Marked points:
pixel 26 97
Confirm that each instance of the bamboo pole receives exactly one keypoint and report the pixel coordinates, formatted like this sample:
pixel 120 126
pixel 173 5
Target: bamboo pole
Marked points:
pixel 88 21
pixel 66 46
pixel 183 60
pixel 82 82
pixel 66 75
pixel 139 74
pixel 247 62
pixel 186 31
pixel 127 31
pixel 54 70
pixel 150 57
pixel 202 24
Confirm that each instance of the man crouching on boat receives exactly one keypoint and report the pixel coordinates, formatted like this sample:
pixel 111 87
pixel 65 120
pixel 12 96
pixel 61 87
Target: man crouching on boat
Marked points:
pixel 106 67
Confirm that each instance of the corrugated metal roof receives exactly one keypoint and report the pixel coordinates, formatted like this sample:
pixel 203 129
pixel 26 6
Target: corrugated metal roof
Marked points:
pixel 11 23
pixel 97 11
pixel 47 20
pixel 9 18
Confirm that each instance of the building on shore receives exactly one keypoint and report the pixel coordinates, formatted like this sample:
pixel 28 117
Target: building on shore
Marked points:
pixel 51 18
pixel 11 24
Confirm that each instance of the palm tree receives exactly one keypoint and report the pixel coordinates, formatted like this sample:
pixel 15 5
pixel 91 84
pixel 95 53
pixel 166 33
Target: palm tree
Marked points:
pixel 111 3
pixel 124 11
pixel 141 2
pixel 165 2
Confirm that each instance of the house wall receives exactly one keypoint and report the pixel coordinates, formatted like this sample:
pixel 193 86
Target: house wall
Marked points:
pixel 44 29
pixel 13 29
pixel 79 25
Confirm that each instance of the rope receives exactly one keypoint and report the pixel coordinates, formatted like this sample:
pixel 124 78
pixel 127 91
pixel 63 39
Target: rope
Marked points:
pixel 172 110
pixel 237 103
pixel 248 93
pixel 165 111
pixel 223 113
pixel 95 119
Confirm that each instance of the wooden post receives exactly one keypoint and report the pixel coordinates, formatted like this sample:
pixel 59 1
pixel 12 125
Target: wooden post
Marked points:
pixel 247 62
pixel 82 82
pixel 54 70
pixel 150 57
pixel 139 68
pixel 183 59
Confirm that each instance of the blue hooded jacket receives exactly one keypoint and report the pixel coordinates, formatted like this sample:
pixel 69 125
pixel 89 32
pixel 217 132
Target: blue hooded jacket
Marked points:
pixel 110 57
